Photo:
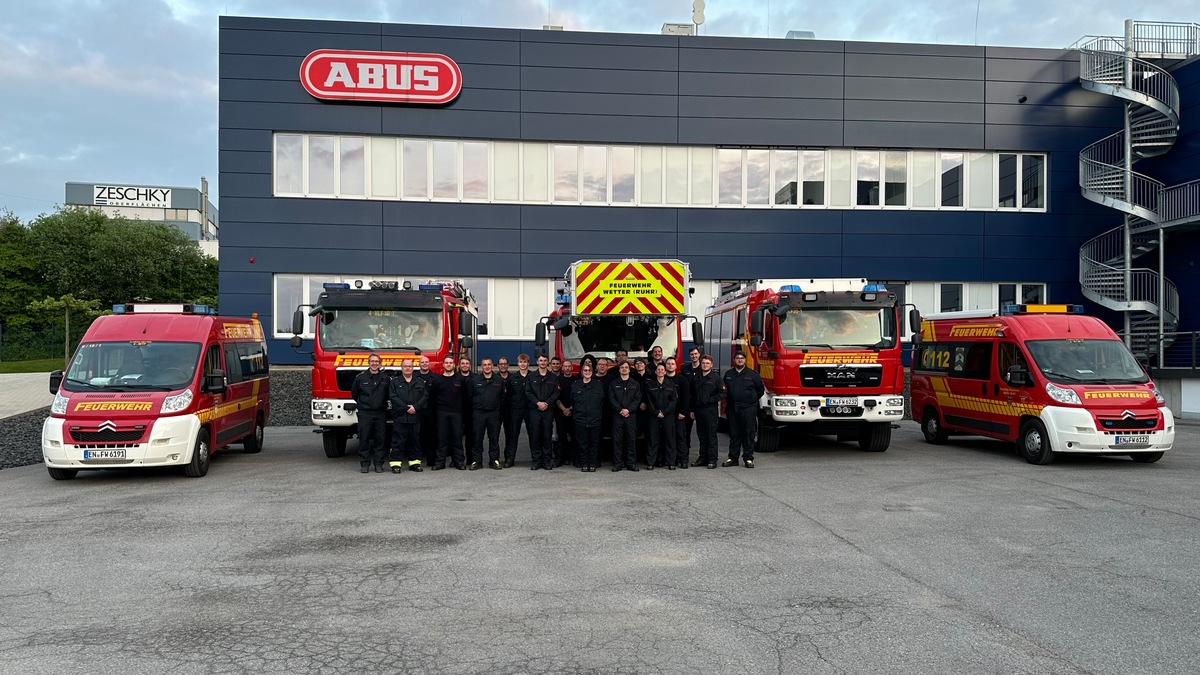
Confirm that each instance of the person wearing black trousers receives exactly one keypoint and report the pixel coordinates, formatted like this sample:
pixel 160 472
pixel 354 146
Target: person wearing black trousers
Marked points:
pixel 464 371
pixel 542 394
pixel 428 420
pixel 743 390
pixel 487 392
pixel 447 395
pixel 624 397
pixel 587 410
pixel 683 409
pixel 409 397
pixel 691 373
pixel 710 390
pixel 661 403
pixel 370 393
pixel 518 405
pixel 564 447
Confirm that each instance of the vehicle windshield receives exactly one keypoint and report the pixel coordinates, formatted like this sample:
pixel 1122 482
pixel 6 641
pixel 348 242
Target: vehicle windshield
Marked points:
pixel 136 365
pixel 829 328
pixel 604 335
pixel 1086 362
pixel 381 329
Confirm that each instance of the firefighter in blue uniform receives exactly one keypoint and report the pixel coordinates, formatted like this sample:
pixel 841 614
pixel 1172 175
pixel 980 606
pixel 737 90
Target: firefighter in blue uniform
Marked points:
pixel 709 392
pixel 587 411
pixel 542 394
pixel 662 399
pixel 743 390
pixel 624 397
pixel 487 394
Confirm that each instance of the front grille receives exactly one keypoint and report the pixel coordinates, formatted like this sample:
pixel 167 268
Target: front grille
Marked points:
pixel 107 436
pixel 849 377
pixel 1128 423
pixel 106 446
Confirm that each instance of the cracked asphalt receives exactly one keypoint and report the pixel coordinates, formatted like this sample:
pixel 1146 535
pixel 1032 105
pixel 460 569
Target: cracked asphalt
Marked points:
pixel 823 559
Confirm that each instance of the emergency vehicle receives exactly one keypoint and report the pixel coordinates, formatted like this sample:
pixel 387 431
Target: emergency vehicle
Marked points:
pixel 436 319
pixel 611 305
pixel 828 352
pixel 1045 377
pixel 158 385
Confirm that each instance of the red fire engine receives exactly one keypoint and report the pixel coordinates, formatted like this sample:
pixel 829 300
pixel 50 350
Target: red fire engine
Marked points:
pixel 437 319
pixel 828 351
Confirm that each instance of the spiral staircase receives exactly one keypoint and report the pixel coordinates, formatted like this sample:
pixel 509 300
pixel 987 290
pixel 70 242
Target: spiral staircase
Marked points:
pixel 1109 275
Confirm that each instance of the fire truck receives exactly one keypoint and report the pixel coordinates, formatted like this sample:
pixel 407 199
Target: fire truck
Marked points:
pixel 611 305
pixel 828 351
pixel 435 319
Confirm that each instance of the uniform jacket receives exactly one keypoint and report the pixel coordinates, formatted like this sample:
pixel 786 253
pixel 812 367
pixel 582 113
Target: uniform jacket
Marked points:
pixel 710 390
pixel 565 396
pixel 447 393
pixel 516 386
pixel 542 389
pixel 624 394
pixel 692 377
pixel 661 397
pixel 370 392
pixel 588 399
pixel 684 390
pixel 404 394
pixel 487 393
pixel 744 389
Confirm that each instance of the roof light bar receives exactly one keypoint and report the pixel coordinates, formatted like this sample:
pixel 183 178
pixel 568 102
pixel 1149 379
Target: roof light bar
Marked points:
pixel 1009 310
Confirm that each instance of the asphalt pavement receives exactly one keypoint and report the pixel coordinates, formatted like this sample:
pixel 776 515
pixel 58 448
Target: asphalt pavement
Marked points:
pixel 823 559
pixel 24 392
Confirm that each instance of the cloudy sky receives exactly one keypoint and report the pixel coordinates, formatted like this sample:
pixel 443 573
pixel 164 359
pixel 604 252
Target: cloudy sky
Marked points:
pixel 125 91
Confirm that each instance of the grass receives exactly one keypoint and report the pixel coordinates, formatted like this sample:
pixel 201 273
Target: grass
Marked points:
pixel 38 366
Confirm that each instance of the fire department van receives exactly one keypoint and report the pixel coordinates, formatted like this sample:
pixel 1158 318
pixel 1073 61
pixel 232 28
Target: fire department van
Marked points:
pixel 1043 376
pixel 158 385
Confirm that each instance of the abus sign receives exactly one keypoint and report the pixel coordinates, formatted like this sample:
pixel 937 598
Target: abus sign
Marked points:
pixel 393 77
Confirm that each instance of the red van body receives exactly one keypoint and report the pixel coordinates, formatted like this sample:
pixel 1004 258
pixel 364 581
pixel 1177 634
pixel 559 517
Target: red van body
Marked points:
pixel 158 385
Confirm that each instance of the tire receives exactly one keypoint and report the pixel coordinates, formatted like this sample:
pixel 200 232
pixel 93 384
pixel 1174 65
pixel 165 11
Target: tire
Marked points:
pixel 932 429
pixel 67 474
pixel 198 467
pixel 875 437
pixel 253 443
pixel 334 442
pixel 1143 457
pixel 768 439
pixel 1033 444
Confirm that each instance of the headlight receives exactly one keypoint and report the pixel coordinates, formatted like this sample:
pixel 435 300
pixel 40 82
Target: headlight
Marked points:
pixel 1157 396
pixel 895 401
pixel 59 407
pixel 178 402
pixel 1062 394
pixel 785 403
pixel 322 405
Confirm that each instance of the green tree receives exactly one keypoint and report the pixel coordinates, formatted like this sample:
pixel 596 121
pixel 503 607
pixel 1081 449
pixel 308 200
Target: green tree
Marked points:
pixel 18 270
pixel 65 306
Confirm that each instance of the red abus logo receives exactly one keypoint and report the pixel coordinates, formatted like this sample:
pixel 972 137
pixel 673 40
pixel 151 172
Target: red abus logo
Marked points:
pixel 399 77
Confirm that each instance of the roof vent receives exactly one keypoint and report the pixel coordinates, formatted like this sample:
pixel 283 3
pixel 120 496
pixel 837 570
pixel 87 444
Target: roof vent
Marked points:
pixel 800 35
pixel 678 29
pixel 548 27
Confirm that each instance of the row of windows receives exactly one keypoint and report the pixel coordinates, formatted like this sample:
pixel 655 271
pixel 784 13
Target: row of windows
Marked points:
pixel 423 169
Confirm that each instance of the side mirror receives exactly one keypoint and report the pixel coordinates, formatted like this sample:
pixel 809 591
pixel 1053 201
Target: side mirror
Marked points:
pixel 1017 376
pixel 698 333
pixel 466 342
pixel 296 341
pixel 466 322
pixel 539 334
pixel 756 323
pixel 215 381
pixel 914 320
pixel 56 379
pixel 297 322
pixel 755 340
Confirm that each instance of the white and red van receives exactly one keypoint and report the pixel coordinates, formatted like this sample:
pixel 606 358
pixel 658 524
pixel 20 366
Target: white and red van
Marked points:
pixel 158 385
pixel 1045 377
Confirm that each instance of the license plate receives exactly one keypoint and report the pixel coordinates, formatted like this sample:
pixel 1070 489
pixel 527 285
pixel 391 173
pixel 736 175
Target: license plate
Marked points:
pixel 841 400
pixel 1133 440
pixel 104 454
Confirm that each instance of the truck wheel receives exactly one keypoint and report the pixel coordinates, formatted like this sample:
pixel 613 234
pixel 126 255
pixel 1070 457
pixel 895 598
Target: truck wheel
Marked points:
pixel 334 441
pixel 875 437
pixel 198 467
pixel 1143 457
pixel 253 443
pixel 931 428
pixel 1034 444
pixel 67 474
pixel 768 439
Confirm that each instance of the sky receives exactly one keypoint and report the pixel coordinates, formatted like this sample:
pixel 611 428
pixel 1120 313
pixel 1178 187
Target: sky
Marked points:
pixel 125 91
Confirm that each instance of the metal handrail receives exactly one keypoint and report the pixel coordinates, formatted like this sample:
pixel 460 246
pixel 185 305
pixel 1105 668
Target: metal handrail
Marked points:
pixel 1179 203
pixel 1108 67
pixel 1165 38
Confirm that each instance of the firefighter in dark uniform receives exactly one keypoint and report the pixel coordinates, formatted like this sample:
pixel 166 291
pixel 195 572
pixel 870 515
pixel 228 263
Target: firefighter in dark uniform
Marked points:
pixel 447 395
pixel 587 411
pixel 691 373
pixel 683 388
pixel 428 427
pixel 640 374
pixel 624 397
pixel 464 371
pixel 661 402
pixel 710 390
pixel 518 404
pixel 370 393
pixel 487 393
pixel 743 389
pixel 409 397
pixel 605 377
pixel 542 394
pixel 564 447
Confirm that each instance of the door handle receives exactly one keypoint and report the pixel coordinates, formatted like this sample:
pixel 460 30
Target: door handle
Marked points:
pixel 985 388
pixel 995 389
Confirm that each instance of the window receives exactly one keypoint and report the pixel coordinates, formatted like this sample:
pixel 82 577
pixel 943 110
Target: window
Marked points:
pixel 895 187
pixel 253 358
pixel 702 176
pixel 785 177
pixel 839 177
pixel 353 167
pixel 923 178
pixel 980 182
pixel 652 175
pixel 233 363
pixel 445 170
pixel 758 177
pixel 385 175
pixel 729 176
pixel 971 360
pixel 566 173
pixel 507 171
pixel 475 171
pixel 289 294
pixel 320 165
pixel 950 297
pixel 867 177
pixel 593 174
pixel 416 169
pixel 479 289
pixel 534 172
pixel 677 175
pixel 624 161
pixel 1007 178
pixel 1033 181
pixel 1031 294
pixel 952 179
pixel 813 193
pixel 289 164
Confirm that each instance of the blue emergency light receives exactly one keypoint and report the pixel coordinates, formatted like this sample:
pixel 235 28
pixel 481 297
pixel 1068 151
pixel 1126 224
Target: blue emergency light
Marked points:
pixel 119 309
pixel 790 288
pixel 429 287
pixel 874 288
pixel 333 286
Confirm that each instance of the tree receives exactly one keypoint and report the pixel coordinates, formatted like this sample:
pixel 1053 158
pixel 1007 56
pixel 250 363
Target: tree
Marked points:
pixel 18 270
pixel 65 305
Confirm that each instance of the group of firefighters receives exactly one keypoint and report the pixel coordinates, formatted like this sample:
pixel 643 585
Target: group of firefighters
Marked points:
pixel 436 417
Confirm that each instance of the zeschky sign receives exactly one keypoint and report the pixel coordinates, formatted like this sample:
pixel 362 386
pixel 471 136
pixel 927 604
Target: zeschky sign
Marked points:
pixel 391 77
pixel 125 195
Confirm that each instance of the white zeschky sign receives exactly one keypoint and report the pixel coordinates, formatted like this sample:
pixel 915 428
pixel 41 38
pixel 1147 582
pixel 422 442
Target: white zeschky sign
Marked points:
pixel 123 195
